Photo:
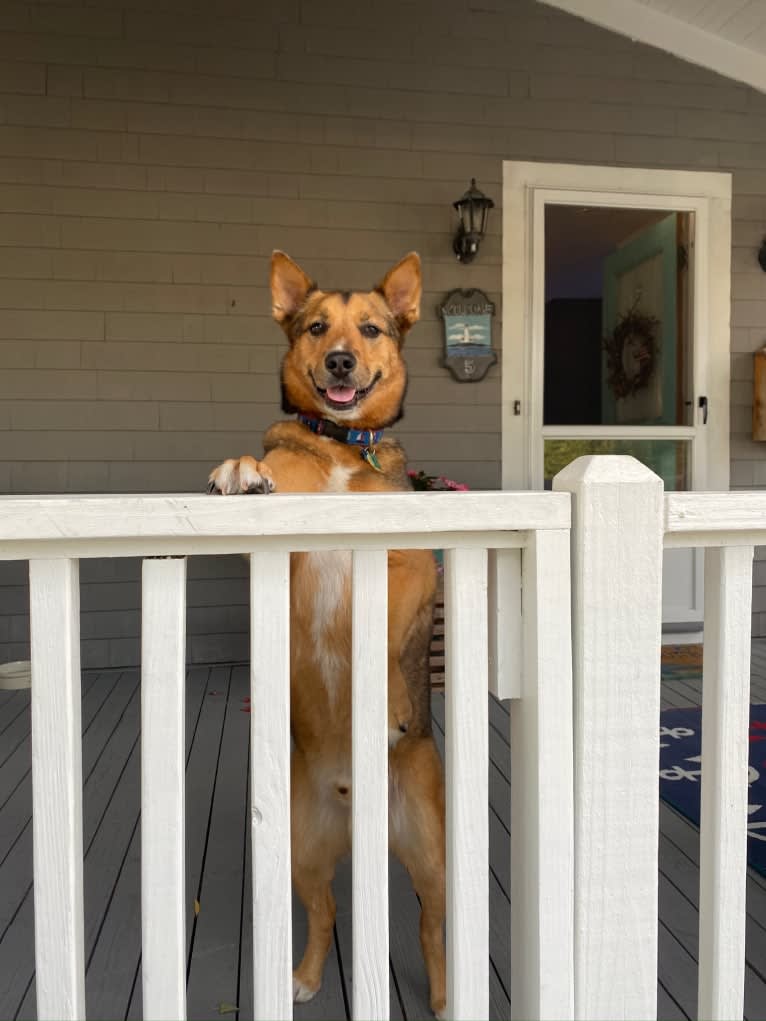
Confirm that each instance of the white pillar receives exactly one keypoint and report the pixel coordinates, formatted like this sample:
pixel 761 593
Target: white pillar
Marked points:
pixel 617 541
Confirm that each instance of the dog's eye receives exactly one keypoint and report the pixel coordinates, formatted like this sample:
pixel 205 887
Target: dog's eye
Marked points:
pixel 318 328
pixel 369 330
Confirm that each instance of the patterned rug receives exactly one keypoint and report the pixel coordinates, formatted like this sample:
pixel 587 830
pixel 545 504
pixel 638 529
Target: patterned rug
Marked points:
pixel 680 770
pixel 680 743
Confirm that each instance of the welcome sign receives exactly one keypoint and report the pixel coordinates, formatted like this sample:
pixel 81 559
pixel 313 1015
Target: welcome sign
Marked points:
pixel 467 319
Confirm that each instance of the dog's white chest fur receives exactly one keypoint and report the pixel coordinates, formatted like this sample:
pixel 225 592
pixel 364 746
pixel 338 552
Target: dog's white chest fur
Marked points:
pixel 331 571
pixel 337 480
pixel 332 580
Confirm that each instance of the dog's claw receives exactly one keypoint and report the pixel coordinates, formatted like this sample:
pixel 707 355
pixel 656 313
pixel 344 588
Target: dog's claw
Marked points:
pixel 301 992
pixel 244 475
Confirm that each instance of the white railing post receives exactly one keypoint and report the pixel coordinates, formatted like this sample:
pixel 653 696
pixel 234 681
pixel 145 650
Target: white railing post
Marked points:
pixel 369 785
pixel 723 821
pixel 617 542
pixel 270 785
pixel 54 612
pixel 542 839
pixel 467 766
pixel 506 635
pixel 163 802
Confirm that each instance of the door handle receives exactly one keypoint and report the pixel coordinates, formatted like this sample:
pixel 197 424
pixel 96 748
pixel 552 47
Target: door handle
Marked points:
pixel 702 402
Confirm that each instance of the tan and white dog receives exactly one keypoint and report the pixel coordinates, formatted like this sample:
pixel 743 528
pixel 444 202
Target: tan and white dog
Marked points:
pixel 343 375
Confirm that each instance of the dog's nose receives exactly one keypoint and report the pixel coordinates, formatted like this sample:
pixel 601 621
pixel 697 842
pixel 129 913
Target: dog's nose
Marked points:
pixel 340 363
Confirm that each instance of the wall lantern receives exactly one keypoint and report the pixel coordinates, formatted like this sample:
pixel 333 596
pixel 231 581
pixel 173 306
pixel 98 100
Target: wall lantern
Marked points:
pixel 472 208
pixel 761 255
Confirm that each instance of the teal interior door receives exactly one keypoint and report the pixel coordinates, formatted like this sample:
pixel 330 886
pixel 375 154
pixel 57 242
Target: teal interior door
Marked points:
pixel 642 276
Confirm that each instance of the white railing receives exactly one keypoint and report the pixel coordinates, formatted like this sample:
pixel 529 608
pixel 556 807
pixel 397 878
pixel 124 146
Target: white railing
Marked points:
pixel 54 533
pixel 583 833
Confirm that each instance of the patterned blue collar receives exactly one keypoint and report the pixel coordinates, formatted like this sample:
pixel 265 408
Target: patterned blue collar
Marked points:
pixel 364 438
pixel 324 427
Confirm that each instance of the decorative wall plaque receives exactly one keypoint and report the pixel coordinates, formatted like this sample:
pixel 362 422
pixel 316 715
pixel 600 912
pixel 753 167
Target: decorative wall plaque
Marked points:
pixel 467 319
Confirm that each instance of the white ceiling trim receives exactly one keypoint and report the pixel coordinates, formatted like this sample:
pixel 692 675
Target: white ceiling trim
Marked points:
pixel 681 38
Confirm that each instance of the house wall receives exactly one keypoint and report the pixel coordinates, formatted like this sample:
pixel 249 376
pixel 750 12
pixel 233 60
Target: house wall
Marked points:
pixel 153 154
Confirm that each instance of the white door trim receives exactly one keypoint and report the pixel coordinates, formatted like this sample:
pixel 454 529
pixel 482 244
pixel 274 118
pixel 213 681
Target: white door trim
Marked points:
pixel 527 188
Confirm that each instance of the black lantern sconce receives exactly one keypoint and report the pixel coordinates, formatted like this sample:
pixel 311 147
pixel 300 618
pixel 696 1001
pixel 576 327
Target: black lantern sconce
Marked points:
pixel 472 209
pixel 762 255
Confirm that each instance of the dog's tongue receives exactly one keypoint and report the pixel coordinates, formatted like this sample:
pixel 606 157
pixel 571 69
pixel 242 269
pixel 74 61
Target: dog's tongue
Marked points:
pixel 341 394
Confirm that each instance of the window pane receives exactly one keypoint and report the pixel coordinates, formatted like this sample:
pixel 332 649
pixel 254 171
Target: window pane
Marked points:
pixel 667 458
pixel 617 316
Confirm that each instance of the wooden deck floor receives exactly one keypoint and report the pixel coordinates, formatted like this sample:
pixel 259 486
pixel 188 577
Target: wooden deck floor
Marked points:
pixel 219 936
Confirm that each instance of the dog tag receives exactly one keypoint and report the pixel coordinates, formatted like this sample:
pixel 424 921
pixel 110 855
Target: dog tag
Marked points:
pixel 369 455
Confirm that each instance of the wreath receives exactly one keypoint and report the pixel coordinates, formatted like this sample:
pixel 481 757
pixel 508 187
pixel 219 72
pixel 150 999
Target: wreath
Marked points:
pixel 631 352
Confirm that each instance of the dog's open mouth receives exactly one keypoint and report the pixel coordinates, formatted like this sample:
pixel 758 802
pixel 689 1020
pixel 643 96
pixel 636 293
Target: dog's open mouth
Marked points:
pixel 341 396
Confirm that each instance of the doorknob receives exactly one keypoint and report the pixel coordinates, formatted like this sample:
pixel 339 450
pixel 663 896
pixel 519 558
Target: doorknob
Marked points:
pixel 702 402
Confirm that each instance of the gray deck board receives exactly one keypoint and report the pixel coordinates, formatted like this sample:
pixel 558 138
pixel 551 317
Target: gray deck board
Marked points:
pixel 16 911
pixel 214 959
pixel 113 964
pixel 218 865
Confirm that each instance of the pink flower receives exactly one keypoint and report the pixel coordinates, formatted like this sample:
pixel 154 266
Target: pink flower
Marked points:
pixel 421 481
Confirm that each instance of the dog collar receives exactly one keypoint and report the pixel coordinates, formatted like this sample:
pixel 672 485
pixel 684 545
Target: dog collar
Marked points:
pixel 364 438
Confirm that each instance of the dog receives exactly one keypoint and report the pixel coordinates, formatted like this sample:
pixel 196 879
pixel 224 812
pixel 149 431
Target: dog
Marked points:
pixel 344 377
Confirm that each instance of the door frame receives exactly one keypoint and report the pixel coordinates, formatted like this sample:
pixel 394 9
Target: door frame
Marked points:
pixel 527 188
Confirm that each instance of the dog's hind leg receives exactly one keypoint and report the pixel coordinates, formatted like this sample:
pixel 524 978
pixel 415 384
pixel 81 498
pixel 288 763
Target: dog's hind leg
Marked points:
pixel 319 838
pixel 416 830
pixel 315 892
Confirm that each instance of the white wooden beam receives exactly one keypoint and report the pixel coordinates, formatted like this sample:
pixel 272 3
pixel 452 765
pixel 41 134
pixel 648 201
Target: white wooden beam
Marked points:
pixel 467 767
pixel 54 612
pixel 173 516
pixel 616 632
pixel 687 514
pixel 506 635
pixel 542 809
pixel 369 786
pixel 163 801
pixel 270 785
pixel 725 748
pixel 673 35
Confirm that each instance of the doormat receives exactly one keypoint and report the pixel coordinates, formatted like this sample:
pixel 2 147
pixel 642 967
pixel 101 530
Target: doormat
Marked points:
pixel 680 755
pixel 681 663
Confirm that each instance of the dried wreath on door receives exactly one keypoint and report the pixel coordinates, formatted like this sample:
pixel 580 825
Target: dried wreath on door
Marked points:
pixel 631 352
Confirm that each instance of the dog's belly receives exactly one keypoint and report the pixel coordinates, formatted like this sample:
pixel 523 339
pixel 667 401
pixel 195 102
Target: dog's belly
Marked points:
pixel 321 595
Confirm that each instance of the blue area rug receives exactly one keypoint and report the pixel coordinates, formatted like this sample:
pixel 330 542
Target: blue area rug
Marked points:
pixel 680 753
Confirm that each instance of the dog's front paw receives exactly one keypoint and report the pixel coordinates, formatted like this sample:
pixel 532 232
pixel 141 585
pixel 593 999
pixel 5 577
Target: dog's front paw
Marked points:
pixel 302 992
pixel 241 475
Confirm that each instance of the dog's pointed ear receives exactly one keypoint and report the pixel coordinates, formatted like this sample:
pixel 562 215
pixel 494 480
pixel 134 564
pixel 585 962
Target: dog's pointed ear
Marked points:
pixel 402 287
pixel 289 287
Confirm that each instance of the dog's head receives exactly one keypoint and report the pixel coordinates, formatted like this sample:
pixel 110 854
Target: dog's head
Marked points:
pixel 344 361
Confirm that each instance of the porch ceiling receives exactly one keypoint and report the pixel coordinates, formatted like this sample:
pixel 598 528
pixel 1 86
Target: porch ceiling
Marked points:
pixel 726 36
